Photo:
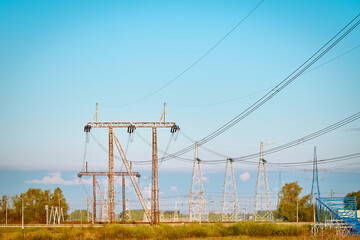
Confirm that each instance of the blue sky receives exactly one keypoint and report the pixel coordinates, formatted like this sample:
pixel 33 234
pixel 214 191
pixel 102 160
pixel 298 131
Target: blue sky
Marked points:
pixel 59 58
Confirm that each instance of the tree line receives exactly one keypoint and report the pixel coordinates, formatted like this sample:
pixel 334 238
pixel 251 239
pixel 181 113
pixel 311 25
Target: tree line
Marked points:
pixel 292 205
pixel 34 201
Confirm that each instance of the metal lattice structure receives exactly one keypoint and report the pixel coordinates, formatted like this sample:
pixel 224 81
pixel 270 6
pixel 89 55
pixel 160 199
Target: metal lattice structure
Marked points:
pixel 128 211
pixel 315 190
pixel 104 210
pixel 196 200
pixel 56 215
pixel 131 126
pixel 337 212
pixel 176 214
pixel 262 202
pixel 162 217
pixel 230 203
pixel 94 182
pixel 145 217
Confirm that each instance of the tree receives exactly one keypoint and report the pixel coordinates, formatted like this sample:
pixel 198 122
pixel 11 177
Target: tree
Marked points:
pixel 57 199
pixel 34 201
pixel 289 199
pixel 4 204
pixel 357 195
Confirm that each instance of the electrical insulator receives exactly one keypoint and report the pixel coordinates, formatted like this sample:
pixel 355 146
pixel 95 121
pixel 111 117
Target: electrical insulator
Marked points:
pixel 87 128
pixel 131 129
pixel 174 128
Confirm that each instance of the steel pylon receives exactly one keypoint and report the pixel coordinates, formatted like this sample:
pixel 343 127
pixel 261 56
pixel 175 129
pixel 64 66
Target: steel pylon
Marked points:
pixel 196 200
pixel 229 204
pixel 262 202
pixel 176 214
pixel 128 211
pixel 315 190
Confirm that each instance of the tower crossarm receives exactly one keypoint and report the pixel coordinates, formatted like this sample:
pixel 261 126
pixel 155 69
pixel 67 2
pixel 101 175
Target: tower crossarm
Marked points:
pixel 128 124
pixel 80 174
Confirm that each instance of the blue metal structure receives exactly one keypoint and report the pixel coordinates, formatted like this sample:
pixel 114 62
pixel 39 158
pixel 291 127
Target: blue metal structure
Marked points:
pixel 315 180
pixel 338 210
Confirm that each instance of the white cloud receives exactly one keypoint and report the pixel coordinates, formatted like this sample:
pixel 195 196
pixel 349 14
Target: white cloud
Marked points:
pixel 55 178
pixel 147 191
pixel 173 188
pixel 205 179
pixel 245 176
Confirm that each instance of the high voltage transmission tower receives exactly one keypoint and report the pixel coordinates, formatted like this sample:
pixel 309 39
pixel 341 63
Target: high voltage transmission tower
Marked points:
pixel 262 202
pixel 176 214
pixel 196 200
pixel 162 216
pixel 315 190
pixel 94 182
pixel 153 214
pixel 229 203
pixel 128 211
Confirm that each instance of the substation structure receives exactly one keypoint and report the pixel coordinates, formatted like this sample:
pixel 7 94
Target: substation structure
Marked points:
pixel 94 174
pixel 154 217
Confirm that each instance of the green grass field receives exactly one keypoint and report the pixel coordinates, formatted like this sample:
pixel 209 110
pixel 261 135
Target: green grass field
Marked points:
pixel 242 230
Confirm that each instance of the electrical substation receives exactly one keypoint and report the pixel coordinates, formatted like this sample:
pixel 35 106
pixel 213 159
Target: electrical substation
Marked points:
pixel 198 211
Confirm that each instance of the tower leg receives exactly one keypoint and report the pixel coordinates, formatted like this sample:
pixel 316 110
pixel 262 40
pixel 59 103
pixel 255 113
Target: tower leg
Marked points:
pixel 154 181
pixel 123 198
pixel 94 200
pixel 111 209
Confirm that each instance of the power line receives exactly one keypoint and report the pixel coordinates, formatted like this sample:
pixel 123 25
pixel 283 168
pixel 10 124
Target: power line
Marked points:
pixel 196 61
pixel 305 138
pixel 286 145
pixel 284 83
pixel 263 90
pixel 245 159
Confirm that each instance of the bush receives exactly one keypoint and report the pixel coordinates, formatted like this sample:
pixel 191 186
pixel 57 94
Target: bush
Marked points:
pixel 184 231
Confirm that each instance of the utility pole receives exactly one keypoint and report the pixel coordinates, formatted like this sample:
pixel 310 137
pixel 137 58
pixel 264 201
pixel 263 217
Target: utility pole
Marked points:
pixel 279 189
pixel 230 203
pixel 87 209
pixel 262 202
pixel 6 210
pixel 123 199
pixel 155 180
pixel 111 193
pixel 94 201
pixel 47 215
pixel 22 215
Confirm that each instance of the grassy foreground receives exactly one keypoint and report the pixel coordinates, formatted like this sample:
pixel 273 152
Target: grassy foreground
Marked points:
pixel 242 230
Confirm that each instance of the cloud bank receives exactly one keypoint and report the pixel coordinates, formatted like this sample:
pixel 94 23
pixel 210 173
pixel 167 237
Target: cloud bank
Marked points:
pixel 55 178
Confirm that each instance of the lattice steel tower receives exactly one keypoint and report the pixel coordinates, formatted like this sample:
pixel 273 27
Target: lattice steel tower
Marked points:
pixel 315 190
pixel 262 202
pixel 196 200
pixel 176 214
pixel 128 211
pixel 229 204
